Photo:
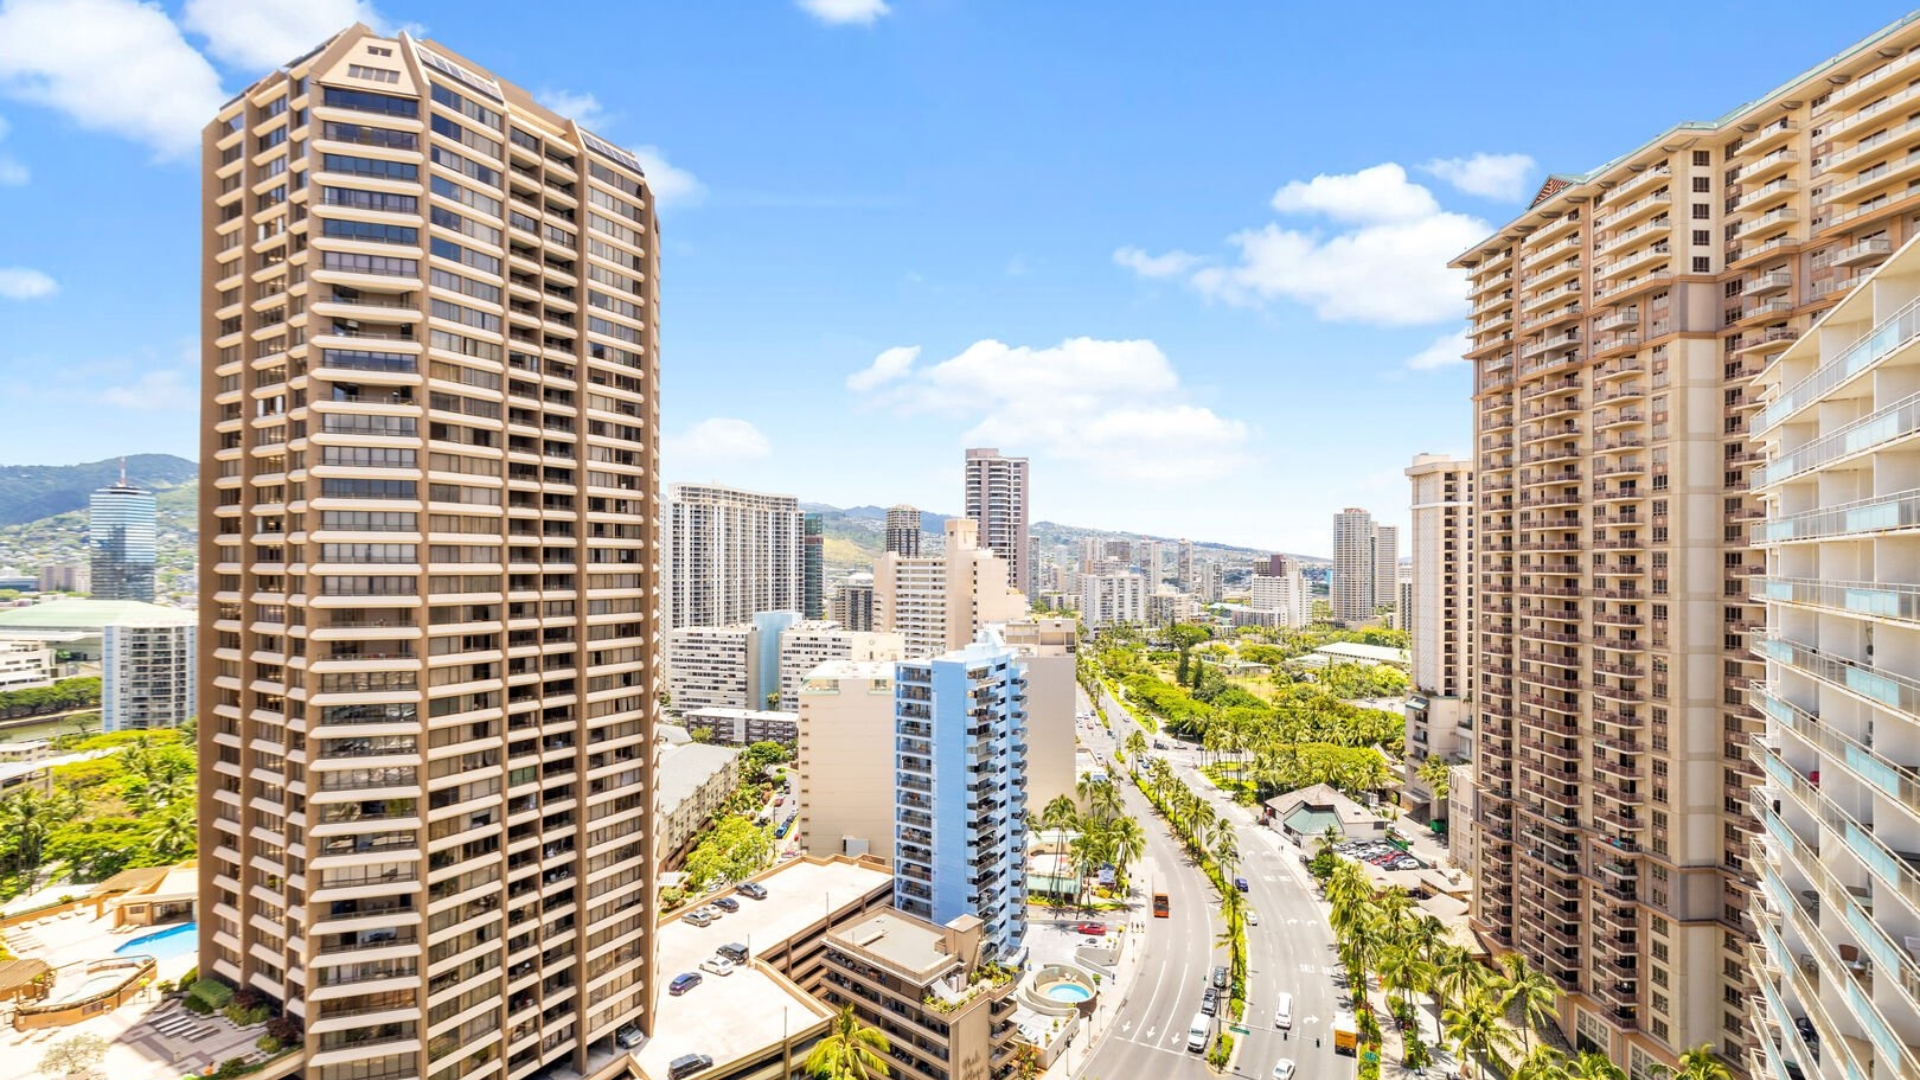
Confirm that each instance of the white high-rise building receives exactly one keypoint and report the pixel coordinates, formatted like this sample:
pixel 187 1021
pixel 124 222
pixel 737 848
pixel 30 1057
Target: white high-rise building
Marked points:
pixel 1386 565
pixel 938 603
pixel 805 646
pixel 1285 593
pixel 1112 599
pixel 1437 613
pixel 731 553
pixel 903 530
pixel 997 501
pixel 1366 565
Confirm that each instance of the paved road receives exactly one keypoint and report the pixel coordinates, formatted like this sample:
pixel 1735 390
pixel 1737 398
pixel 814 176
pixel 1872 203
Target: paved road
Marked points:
pixel 1290 950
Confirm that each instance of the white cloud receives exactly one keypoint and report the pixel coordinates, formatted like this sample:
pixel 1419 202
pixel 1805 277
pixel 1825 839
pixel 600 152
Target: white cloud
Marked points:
pixel 670 184
pixel 1117 405
pixel 1172 264
pixel 585 108
pixel 843 12
pixel 720 439
pixel 890 365
pixel 157 390
pixel 19 283
pixel 259 35
pixel 1377 194
pixel 1446 351
pixel 1490 176
pixel 12 173
pixel 117 66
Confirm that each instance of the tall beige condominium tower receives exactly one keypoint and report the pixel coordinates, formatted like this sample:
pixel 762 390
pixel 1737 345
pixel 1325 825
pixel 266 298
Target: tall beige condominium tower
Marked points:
pixel 1386 565
pixel 997 501
pixel 428 629
pixel 1354 580
pixel 731 553
pixel 1839 800
pixel 1617 326
pixel 937 603
pixel 1437 615
pixel 903 530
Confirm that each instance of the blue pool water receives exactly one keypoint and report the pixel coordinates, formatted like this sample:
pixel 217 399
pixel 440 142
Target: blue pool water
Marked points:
pixel 1068 993
pixel 181 940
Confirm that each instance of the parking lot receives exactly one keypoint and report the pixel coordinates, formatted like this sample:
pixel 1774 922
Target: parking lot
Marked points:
pixel 1379 853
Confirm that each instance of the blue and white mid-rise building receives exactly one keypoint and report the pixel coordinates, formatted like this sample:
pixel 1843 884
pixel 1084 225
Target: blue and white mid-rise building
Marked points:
pixel 960 791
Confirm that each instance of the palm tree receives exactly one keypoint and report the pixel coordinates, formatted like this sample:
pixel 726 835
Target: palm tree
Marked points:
pixel 850 1050
pixel 1700 1063
pixel 1226 848
pixel 1326 843
pixel 1533 993
pixel 1404 967
pixel 1594 1065
pixel 173 833
pixel 1136 748
pixel 1476 1028
pixel 1128 841
pixel 1026 1062
pixel 1456 974
pixel 1060 814
pixel 1544 1063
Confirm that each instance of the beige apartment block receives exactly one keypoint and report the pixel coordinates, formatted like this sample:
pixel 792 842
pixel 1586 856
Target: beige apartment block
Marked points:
pixel 937 603
pixel 731 554
pixel 428 593
pixel 1839 798
pixel 997 501
pixel 1049 649
pixel 1436 613
pixel 805 646
pixel 845 760
pixel 1617 327
pixel 694 782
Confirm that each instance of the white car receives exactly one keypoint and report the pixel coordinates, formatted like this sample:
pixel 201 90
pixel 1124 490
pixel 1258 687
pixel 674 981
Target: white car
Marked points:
pixel 717 965
pixel 1283 1069
pixel 1253 918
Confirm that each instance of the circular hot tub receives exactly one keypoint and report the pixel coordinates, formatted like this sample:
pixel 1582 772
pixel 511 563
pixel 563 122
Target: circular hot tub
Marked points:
pixel 1060 990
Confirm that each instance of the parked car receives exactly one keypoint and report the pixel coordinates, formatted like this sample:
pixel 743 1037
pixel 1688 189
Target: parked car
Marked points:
pixel 687 1064
pixel 629 1037
pixel 727 904
pixel 1093 928
pixel 683 982
pixel 735 952
pixel 753 889
pixel 710 911
pixel 1210 1001
pixel 717 965
pixel 697 917
pixel 1220 977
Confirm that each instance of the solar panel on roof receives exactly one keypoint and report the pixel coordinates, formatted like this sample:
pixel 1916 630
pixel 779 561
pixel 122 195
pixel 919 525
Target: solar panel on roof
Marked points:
pixel 445 66
pixel 607 150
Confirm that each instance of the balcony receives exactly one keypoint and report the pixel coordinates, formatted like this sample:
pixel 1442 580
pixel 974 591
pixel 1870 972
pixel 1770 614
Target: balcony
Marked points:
pixel 1865 251
pixel 1638 208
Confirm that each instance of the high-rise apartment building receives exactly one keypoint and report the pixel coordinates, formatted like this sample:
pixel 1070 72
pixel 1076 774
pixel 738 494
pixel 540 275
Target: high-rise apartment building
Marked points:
pixel 759 664
pixel 960 789
pixel 1278 587
pixel 813 581
pixel 997 501
pixel 903 530
pixel 731 553
pixel 122 542
pixel 1617 327
pixel 845 759
pixel 1113 599
pixel 1183 567
pixel 1386 565
pixel 1353 574
pixel 1437 614
pixel 427 548
pixel 146 671
pixel 1839 798
pixel 852 605
pixel 940 602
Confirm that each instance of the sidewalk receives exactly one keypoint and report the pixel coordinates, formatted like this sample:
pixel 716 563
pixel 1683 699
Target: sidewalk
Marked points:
pixel 1115 983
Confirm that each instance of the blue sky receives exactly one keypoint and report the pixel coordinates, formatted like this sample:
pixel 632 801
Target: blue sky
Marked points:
pixel 1188 257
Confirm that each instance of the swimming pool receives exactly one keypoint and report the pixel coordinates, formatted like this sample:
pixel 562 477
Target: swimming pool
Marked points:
pixel 1068 993
pixel 174 941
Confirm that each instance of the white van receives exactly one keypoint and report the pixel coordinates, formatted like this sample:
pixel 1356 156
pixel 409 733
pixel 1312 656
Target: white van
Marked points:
pixel 1283 1013
pixel 1198 1034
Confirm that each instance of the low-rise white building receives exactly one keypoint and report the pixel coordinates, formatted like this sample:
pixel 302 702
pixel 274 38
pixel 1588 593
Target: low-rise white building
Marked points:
pixel 25 665
pixel 744 727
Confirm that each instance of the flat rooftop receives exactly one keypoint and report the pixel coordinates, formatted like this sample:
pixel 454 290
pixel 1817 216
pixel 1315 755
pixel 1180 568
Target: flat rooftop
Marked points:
pixel 91 615
pixel 684 767
pixel 910 947
pixel 750 1010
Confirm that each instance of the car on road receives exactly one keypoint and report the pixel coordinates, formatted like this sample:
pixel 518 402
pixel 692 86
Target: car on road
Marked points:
pixel 1199 1030
pixel 1253 917
pixel 1220 977
pixel 717 965
pixel 683 982
pixel 1283 1069
pixel 1159 744
pixel 753 889
pixel 1240 883
pixel 1210 1002
pixel 1283 1012
pixel 1094 928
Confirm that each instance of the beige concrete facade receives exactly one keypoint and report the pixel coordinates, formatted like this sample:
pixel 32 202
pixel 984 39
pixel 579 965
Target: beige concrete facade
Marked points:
pixel 1437 614
pixel 805 646
pixel 997 501
pixel 1049 649
pixel 845 760
pixel 429 567
pixel 1617 327
pixel 937 603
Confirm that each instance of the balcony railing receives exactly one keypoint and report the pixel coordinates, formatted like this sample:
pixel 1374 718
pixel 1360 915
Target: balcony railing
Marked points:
pixel 1871 348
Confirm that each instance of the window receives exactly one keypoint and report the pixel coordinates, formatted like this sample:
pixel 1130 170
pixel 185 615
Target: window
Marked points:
pixel 370 264
pixel 369 136
pixel 1702 237
pixel 1703 264
pixel 1703 184
pixel 1703 158
pixel 372 74
pixel 1702 211
pixel 359 166
pixel 370 200
pixel 365 101
pixel 371 232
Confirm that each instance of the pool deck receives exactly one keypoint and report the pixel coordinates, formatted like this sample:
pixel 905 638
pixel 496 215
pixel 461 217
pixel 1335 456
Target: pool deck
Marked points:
pixel 151 1038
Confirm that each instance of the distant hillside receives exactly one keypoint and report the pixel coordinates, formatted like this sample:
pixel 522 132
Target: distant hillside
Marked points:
pixel 33 492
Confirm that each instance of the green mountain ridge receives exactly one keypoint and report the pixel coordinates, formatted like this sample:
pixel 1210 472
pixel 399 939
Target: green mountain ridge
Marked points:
pixel 32 493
